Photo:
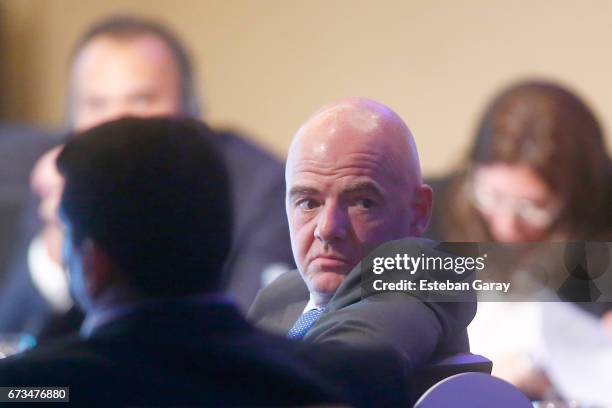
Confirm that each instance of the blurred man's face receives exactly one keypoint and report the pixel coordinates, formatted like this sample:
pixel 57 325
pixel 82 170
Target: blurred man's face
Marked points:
pixel 345 196
pixel 113 77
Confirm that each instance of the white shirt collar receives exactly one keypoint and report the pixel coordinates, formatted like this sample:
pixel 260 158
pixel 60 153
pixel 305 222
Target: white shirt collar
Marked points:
pixel 312 305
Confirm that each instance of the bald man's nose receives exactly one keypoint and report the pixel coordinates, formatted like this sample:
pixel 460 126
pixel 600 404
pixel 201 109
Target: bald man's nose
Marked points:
pixel 332 224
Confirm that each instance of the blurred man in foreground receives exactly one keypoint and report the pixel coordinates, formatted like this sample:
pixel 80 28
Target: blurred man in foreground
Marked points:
pixel 354 183
pixel 127 66
pixel 144 247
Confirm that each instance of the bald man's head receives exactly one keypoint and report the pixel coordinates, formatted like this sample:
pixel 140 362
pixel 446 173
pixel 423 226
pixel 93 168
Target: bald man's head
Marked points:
pixel 353 183
pixel 358 120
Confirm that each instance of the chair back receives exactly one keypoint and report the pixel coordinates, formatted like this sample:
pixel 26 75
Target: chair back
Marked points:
pixel 473 390
pixel 431 374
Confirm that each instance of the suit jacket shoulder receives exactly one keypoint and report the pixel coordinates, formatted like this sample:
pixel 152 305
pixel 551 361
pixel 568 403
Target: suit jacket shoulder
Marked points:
pixel 260 230
pixel 423 326
pixel 421 330
pixel 178 356
pixel 278 305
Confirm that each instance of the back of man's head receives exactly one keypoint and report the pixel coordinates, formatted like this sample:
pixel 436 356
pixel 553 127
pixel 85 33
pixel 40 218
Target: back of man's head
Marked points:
pixel 153 194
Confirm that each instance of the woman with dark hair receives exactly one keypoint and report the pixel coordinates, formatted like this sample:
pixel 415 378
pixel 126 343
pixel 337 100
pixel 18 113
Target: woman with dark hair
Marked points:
pixel 538 171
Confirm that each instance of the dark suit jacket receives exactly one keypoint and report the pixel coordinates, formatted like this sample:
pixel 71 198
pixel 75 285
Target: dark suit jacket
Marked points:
pixel 22 308
pixel 422 330
pixel 260 238
pixel 184 354
pixel 260 230
pixel 20 147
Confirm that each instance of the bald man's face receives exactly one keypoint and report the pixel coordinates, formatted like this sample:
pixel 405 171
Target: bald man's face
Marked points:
pixel 113 77
pixel 348 191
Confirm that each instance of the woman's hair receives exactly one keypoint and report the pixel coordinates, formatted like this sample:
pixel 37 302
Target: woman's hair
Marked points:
pixel 553 132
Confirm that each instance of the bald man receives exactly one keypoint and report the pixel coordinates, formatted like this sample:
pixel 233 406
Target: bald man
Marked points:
pixel 353 182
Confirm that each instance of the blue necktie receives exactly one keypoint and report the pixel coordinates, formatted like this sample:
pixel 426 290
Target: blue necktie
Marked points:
pixel 304 323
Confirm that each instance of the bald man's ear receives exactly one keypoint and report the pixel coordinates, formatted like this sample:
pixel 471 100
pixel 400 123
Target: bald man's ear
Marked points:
pixel 421 210
pixel 97 268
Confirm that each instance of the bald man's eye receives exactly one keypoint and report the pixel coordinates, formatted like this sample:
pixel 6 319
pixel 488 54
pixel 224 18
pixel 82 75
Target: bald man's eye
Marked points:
pixel 307 204
pixel 365 204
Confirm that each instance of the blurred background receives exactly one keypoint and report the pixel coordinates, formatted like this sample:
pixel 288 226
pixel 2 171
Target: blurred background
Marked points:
pixel 264 66
pixel 540 173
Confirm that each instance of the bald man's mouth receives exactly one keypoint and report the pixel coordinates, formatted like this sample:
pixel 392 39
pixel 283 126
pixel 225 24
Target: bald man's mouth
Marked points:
pixel 332 262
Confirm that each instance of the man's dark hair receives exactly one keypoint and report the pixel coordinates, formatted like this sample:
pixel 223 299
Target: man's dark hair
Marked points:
pixel 129 27
pixel 154 195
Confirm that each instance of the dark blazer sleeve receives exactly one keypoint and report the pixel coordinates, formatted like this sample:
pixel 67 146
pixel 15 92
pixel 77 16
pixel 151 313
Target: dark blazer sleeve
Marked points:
pixel 20 147
pixel 260 230
pixel 263 241
pixel 22 307
pixel 421 329
pixel 393 319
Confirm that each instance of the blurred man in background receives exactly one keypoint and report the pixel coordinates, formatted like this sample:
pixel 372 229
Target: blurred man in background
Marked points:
pixel 128 66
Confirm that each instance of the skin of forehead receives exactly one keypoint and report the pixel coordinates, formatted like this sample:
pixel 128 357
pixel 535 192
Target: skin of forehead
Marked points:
pixel 147 46
pixel 360 129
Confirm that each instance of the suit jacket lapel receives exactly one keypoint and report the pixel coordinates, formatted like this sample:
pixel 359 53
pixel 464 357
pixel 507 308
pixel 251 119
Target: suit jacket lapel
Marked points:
pixel 291 314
